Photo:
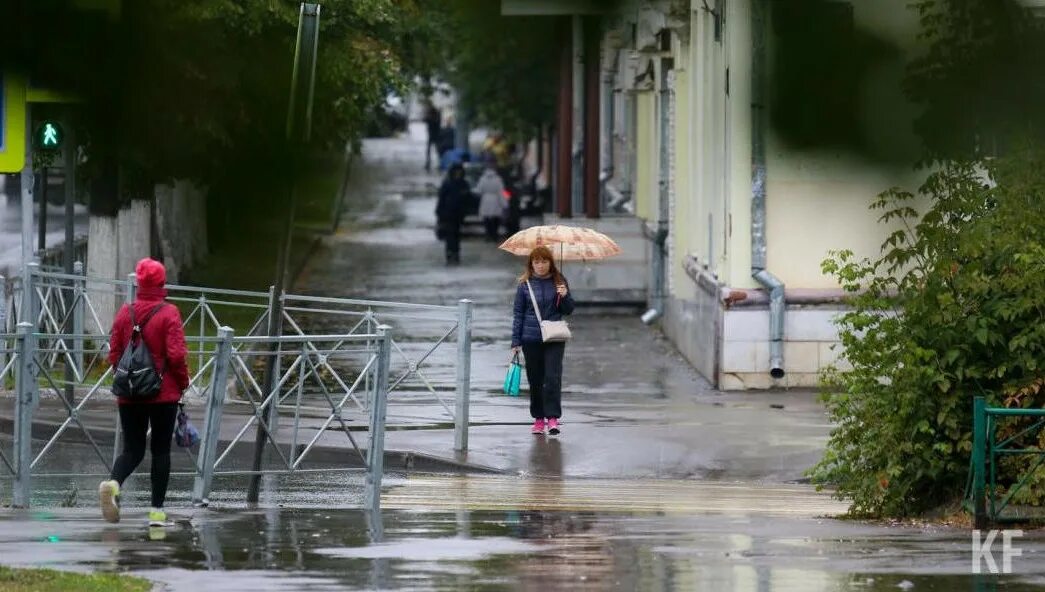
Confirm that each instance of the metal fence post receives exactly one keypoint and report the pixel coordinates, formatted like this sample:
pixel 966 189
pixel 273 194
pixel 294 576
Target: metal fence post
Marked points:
pixel 79 304
pixel 128 297
pixel 132 288
pixel 375 454
pixel 23 428
pixel 464 373
pixel 212 421
pixel 979 447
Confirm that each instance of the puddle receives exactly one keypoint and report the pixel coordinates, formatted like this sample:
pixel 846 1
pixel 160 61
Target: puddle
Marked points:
pixel 425 549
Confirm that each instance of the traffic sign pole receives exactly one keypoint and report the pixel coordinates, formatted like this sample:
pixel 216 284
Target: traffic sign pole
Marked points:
pixel 27 218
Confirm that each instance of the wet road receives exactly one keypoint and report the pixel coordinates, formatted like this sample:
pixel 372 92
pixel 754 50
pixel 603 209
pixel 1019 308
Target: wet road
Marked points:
pixel 338 549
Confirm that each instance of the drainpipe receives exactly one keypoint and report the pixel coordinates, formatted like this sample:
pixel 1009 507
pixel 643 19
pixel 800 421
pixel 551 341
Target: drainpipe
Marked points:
pixel 609 70
pixel 660 237
pixel 767 280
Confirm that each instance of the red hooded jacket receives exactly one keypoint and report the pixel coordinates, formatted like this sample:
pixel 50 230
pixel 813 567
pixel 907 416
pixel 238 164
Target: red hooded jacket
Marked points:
pixel 163 333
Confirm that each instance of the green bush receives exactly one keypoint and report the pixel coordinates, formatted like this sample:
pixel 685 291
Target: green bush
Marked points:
pixel 954 306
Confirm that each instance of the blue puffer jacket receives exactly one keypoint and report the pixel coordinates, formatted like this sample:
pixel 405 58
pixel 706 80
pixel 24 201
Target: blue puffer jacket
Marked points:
pixel 525 327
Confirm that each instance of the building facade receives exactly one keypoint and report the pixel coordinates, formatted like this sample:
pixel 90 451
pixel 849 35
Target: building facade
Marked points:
pixel 744 140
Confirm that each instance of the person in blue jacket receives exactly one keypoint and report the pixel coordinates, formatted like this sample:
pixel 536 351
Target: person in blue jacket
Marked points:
pixel 543 360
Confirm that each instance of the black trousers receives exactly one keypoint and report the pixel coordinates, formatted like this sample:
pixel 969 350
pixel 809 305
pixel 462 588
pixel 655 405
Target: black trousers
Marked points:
pixel 493 225
pixel 544 371
pixel 135 421
pixel 452 237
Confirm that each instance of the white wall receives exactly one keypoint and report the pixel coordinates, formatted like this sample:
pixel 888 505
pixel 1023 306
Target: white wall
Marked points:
pixel 818 201
pixel 102 260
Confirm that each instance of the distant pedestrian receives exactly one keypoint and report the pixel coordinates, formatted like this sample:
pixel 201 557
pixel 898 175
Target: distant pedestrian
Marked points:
pixel 447 137
pixel 160 328
pixel 542 282
pixel 433 125
pixel 450 210
pixel 491 201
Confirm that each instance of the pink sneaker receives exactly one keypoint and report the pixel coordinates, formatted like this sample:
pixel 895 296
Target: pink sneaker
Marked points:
pixel 538 426
pixel 553 425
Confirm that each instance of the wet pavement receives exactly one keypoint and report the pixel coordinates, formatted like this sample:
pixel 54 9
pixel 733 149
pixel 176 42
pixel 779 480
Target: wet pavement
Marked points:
pixel 632 406
pixel 658 481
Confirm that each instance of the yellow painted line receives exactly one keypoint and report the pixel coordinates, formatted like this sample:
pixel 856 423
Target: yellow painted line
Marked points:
pixel 496 492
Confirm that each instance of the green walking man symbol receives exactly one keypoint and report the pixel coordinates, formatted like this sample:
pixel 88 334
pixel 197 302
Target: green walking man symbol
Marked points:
pixel 50 135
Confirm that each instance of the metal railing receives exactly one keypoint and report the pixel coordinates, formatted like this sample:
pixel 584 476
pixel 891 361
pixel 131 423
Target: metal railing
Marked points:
pixel 988 450
pixel 53 258
pixel 431 349
pixel 308 377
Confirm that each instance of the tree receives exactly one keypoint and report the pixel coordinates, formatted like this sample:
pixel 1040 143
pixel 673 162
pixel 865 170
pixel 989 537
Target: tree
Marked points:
pixel 981 83
pixel 953 308
pixel 503 67
pixel 198 89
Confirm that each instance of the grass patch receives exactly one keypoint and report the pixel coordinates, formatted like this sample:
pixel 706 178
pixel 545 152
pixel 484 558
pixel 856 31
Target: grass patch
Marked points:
pixel 47 580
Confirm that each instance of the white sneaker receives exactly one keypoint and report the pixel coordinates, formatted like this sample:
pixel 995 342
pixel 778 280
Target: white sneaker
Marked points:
pixel 109 498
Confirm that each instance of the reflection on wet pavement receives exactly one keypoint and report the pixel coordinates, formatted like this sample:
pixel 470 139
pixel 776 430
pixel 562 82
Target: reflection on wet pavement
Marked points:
pixel 315 549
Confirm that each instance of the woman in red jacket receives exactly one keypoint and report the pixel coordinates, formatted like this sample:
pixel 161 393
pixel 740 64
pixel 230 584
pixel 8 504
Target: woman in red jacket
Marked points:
pixel 161 329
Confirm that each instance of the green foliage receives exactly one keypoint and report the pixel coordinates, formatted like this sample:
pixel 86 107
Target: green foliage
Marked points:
pixel 953 307
pixel 981 83
pixel 503 67
pixel 198 89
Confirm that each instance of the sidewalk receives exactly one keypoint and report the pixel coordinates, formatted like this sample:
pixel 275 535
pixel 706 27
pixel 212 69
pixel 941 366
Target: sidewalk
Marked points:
pixel 632 406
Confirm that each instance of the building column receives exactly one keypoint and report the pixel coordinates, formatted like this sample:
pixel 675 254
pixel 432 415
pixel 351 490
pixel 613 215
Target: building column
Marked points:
pixel 564 129
pixel 592 108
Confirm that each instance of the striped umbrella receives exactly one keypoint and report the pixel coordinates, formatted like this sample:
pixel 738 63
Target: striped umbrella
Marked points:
pixel 571 242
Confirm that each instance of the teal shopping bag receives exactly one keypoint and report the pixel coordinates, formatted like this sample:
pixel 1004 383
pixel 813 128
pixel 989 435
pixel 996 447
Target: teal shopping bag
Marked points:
pixel 513 379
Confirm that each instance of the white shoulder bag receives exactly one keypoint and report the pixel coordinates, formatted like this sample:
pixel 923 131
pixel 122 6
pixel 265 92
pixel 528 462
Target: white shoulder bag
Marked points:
pixel 551 331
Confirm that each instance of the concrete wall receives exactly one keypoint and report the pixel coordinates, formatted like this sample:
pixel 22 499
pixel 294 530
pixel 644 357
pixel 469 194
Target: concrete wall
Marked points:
pixel 818 201
pixel 811 343
pixel 692 324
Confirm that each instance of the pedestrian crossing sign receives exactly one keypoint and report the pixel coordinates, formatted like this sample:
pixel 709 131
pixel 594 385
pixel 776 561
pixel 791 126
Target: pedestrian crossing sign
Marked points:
pixel 48 136
pixel 12 123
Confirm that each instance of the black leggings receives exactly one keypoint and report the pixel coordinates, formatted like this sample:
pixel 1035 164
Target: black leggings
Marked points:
pixel 544 371
pixel 135 420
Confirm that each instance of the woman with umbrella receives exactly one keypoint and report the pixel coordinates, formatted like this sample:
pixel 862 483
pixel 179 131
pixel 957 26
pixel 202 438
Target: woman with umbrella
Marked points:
pixel 542 298
pixel 542 294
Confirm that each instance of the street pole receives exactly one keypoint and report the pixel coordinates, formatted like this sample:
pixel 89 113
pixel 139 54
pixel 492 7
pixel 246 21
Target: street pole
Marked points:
pixel 27 217
pixel 41 233
pixel 299 129
pixel 71 368
pixel 70 196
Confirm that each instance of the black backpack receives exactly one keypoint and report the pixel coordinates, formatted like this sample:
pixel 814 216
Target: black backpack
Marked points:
pixel 136 377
